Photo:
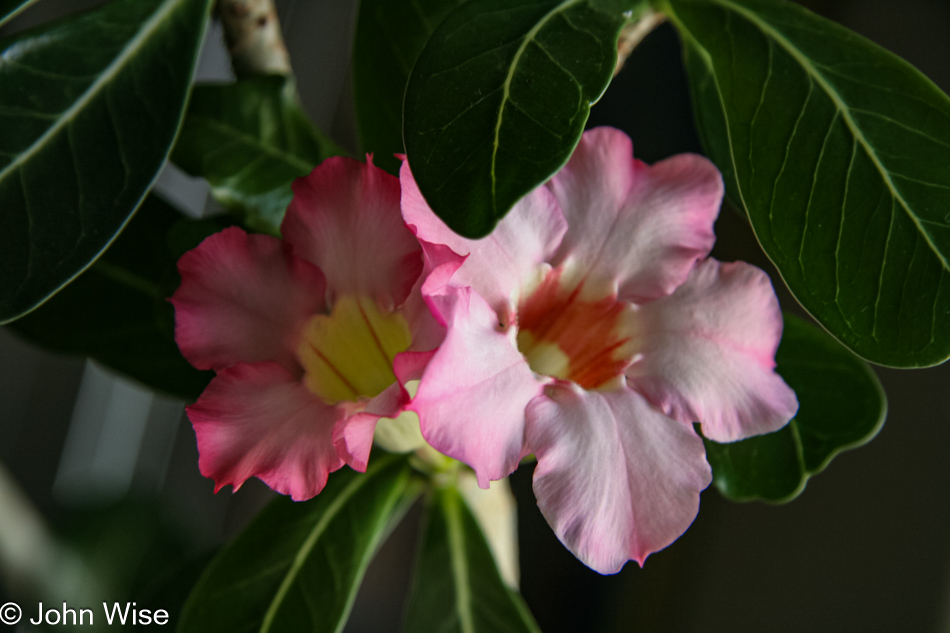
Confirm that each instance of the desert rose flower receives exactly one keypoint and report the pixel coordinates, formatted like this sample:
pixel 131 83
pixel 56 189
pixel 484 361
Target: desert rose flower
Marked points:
pixel 591 330
pixel 312 336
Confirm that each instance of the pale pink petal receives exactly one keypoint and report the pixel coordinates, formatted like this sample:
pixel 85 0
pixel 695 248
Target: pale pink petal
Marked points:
pixel 243 298
pixel 259 421
pixel 499 265
pixel 344 217
pixel 616 479
pixel 441 262
pixel 640 226
pixel 708 353
pixel 472 396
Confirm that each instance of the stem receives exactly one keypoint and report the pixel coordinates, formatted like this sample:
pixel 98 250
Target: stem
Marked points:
pixel 254 39
pixel 634 32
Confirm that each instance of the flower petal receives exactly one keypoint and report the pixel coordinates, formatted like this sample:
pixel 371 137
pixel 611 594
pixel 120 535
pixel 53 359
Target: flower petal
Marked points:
pixel 708 353
pixel 258 420
pixel 616 479
pixel 643 227
pixel 441 262
pixel 472 396
pixel 500 264
pixel 344 217
pixel 353 439
pixel 353 435
pixel 243 298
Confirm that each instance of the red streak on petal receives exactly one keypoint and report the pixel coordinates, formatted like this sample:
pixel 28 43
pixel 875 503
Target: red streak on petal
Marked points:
pixel 335 370
pixel 587 332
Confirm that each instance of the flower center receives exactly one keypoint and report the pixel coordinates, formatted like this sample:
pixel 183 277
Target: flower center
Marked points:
pixel 349 353
pixel 566 336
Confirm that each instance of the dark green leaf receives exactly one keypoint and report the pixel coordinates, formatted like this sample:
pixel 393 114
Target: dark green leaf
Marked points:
pixel 89 108
pixel 457 586
pixel 841 406
pixel 498 99
pixel 169 590
pixel 390 34
pixel 117 313
pixel 838 151
pixel 123 545
pixel 10 8
pixel 250 140
pixel 298 565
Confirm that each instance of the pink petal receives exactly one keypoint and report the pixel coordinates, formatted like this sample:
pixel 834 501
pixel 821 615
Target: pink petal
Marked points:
pixel 411 365
pixel 353 439
pixel 708 353
pixel 472 396
pixel 441 262
pixel 345 218
pixel 353 435
pixel 258 421
pixel 643 227
pixel 616 479
pixel 243 298
pixel 499 265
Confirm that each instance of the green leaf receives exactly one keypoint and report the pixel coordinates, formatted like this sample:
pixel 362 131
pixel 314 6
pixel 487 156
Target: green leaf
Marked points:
pixel 390 34
pixel 298 565
pixel 10 8
pixel 117 312
pixel 89 107
pixel 169 590
pixel 457 586
pixel 838 151
pixel 250 140
pixel 841 406
pixel 498 99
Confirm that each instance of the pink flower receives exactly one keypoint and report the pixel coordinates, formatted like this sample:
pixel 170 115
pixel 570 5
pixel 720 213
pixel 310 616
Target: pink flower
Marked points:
pixel 312 337
pixel 590 329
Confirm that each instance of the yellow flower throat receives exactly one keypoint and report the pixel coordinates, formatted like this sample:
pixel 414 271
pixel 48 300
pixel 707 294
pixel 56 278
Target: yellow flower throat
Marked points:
pixel 348 354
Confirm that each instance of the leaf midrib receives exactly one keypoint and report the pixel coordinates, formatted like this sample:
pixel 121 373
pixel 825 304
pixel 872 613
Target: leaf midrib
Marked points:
pixel 289 158
pixel 300 560
pixel 528 38
pixel 114 68
pixel 16 11
pixel 842 107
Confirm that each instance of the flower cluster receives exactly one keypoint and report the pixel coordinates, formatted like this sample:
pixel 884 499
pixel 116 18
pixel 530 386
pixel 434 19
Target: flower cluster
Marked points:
pixel 590 329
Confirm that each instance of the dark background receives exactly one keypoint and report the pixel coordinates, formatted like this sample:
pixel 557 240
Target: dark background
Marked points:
pixel 865 548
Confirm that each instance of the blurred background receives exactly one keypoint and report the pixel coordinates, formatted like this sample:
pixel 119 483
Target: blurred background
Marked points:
pixel 100 491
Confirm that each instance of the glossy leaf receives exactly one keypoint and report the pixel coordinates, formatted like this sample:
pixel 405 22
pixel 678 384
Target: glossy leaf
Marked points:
pixel 250 140
pixel 390 34
pixel 841 406
pixel 297 567
pixel 838 151
pixel 117 311
pixel 457 587
pixel 89 107
pixel 10 8
pixel 498 99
